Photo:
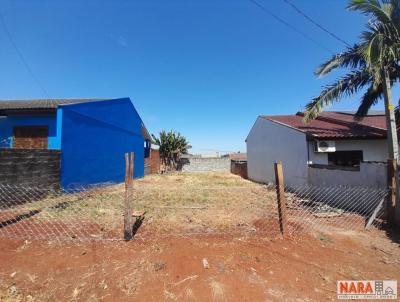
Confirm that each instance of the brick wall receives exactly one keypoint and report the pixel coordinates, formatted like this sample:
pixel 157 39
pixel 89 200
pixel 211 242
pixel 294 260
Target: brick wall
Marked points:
pixel 152 163
pixel 30 167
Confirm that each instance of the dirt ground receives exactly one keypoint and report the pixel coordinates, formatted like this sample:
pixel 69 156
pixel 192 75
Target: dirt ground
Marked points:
pixel 205 237
pixel 172 269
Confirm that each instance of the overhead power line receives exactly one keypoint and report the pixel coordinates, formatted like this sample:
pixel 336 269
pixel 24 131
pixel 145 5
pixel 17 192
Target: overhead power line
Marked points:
pixel 299 11
pixel 292 27
pixel 19 53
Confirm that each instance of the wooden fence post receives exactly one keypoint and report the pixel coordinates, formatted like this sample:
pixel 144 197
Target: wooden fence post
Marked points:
pixel 392 186
pixel 128 203
pixel 131 166
pixel 280 194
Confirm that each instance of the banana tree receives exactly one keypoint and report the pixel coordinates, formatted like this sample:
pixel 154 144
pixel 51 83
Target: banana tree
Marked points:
pixel 171 146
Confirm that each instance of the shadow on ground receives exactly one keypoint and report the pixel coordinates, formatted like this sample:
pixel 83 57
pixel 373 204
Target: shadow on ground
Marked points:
pixel 393 232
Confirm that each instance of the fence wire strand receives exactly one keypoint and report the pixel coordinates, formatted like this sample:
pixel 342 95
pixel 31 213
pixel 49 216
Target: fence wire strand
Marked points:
pixel 97 212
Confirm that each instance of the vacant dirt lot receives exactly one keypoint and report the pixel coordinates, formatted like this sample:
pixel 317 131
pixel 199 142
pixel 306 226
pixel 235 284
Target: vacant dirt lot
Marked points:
pixel 205 237
pixel 171 269
pixel 174 204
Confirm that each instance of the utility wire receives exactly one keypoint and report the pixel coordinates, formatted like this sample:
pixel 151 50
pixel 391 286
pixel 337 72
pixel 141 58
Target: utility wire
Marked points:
pixel 24 62
pixel 299 11
pixel 287 24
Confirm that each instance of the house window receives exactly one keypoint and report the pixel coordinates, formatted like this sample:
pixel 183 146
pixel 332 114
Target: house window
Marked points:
pixel 147 146
pixel 345 158
pixel 31 137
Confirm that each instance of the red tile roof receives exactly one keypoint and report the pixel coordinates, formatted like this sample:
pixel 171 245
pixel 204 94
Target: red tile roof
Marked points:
pixel 336 125
pixel 238 156
pixel 375 119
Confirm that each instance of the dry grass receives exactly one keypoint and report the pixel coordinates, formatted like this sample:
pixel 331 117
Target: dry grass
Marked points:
pixel 202 202
pixel 174 203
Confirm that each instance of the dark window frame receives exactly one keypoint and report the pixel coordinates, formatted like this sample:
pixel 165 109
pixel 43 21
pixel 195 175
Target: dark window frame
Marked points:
pixel 345 158
pixel 24 137
pixel 147 148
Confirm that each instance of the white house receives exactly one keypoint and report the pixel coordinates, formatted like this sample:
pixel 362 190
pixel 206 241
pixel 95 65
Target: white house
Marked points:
pixel 333 149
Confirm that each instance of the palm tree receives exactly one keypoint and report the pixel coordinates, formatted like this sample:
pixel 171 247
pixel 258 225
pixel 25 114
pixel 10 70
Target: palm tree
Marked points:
pixel 373 64
pixel 172 145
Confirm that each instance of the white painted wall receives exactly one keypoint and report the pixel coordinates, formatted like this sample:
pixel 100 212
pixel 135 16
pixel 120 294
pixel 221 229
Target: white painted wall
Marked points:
pixel 269 142
pixel 373 150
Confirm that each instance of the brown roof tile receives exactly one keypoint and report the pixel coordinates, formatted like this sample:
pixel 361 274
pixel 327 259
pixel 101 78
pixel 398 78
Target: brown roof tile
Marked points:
pixel 238 156
pixel 41 103
pixel 338 125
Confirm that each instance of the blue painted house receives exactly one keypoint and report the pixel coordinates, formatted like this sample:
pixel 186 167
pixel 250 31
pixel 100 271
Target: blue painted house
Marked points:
pixel 91 134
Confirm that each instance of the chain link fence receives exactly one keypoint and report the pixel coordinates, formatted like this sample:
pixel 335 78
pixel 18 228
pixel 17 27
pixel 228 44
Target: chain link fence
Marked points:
pixel 324 209
pixel 55 214
pixel 97 212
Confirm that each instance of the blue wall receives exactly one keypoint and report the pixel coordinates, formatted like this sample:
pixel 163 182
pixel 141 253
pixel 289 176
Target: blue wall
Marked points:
pixel 95 136
pixel 7 125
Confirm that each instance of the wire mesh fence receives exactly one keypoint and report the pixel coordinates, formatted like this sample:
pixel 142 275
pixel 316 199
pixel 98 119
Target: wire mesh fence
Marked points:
pixel 314 208
pixel 159 209
pixel 56 214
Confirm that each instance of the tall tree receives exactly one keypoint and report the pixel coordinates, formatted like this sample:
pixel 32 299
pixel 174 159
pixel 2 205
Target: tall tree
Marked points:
pixel 172 145
pixel 373 64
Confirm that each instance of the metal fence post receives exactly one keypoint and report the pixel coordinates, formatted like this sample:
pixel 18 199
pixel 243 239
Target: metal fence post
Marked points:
pixel 280 194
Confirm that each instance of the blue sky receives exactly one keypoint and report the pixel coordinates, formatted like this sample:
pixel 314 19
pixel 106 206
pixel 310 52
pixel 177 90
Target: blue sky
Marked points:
pixel 206 68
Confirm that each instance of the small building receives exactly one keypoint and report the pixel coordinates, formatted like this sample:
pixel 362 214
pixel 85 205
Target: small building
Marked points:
pixel 89 136
pixel 152 162
pixel 333 149
pixel 239 164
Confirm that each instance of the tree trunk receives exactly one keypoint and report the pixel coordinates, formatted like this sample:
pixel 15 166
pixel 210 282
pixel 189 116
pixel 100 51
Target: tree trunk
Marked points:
pixel 393 145
pixel 393 209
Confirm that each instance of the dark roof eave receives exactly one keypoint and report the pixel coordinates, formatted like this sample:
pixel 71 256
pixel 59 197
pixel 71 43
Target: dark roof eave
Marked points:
pixel 336 138
pixel 145 133
pixel 27 111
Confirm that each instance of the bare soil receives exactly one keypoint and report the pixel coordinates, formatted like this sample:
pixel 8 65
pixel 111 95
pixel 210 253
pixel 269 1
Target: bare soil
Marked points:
pixel 251 268
pixel 205 237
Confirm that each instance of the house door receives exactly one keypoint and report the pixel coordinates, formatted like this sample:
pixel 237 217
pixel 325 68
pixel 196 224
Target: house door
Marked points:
pixel 31 137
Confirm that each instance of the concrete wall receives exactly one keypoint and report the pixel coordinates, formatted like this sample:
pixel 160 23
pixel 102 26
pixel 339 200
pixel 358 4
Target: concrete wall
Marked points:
pixel 371 175
pixel 203 164
pixel 37 168
pixel 269 142
pixel 359 188
pixel 373 150
pixel 95 136
pixel 8 123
